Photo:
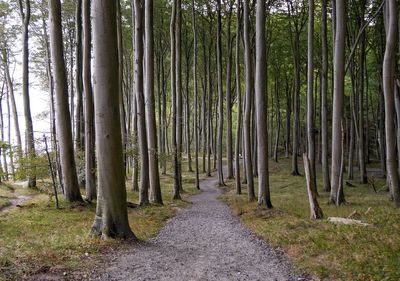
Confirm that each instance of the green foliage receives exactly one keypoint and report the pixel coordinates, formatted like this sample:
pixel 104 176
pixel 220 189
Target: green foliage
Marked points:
pixel 30 166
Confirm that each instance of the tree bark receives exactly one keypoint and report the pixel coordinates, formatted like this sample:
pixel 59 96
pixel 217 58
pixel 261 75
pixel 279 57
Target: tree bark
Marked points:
pixel 338 96
pixel 247 113
pixel 239 101
pixel 111 214
pixel 155 189
pixel 388 90
pixel 139 89
pixel 90 161
pixel 63 118
pixel 261 104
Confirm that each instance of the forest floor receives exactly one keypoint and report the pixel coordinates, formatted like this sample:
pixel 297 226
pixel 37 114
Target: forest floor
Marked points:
pixel 203 242
pixel 39 242
pixel 321 248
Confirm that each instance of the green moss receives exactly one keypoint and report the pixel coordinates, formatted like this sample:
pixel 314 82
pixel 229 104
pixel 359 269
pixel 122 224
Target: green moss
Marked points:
pixel 331 252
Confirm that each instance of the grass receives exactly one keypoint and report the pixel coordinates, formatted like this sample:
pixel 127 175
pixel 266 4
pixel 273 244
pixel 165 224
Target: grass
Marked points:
pixel 37 238
pixel 325 250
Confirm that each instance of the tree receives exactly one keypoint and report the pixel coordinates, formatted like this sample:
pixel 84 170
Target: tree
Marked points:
pixel 324 93
pixel 220 97
pixel 338 96
pixel 90 175
pixel 261 104
pixel 155 190
pixel 63 118
pixel 196 129
pixel 388 90
pixel 139 89
pixel 111 213
pixel 248 102
pixel 25 12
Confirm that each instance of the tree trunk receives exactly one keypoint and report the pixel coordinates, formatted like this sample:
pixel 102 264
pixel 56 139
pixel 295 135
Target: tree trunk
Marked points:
pixel 247 113
pixel 90 161
pixel 63 118
pixel 139 89
pixel 111 213
pixel 239 101
pixel 261 104
pixel 220 98
pixel 155 189
pixel 388 90
pixel 30 141
pixel 79 122
pixel 176 192
pixel 315 210
pixel 338 96
pixel 196 129
pixel 324 101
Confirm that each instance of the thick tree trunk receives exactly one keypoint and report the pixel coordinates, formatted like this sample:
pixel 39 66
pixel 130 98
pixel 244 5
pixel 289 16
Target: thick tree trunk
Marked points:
pixel 388 90
pixel 111 214
pixel 261 104
pixel 90 161
pixel 155 189
pixel 338 96
pixel 63 118
pixel 247 113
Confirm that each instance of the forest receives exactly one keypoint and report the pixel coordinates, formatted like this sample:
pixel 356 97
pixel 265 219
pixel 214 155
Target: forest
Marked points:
pixel 199 140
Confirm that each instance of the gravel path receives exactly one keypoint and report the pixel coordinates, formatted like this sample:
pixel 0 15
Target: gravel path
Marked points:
pixel 203 242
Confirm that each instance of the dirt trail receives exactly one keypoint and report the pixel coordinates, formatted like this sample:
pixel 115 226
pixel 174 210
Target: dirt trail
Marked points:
pixel 203 242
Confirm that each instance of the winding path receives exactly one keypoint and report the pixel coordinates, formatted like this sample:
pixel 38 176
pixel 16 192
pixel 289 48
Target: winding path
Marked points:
pixel 203 242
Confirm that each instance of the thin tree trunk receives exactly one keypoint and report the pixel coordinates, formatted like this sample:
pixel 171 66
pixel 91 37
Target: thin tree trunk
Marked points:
pixel 90 165
pixel 338 96
pixel 155 189
pixel 247 113
pixel 79 123
pixel 239 101
pixel 139 89
pixel 220 98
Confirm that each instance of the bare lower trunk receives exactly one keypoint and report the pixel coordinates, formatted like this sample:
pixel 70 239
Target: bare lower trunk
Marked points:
pixel 63 118
pixel 111 213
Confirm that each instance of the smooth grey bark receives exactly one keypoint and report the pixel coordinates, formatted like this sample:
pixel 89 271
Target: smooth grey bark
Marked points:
pixel 79 122
pixel 111 213
pixel 155 189
pixel 338 96
pixel 176 190
pixel 247 112
pixel 140 100
pixel 278 117
pixel 361 134
pixel 179 99
pixel 196 129
pixel 315 210
pixel 324 102
pixel 30 141
pixel 388 90
pixel 239 101
pixel 261 104
pixel 90 165
pixel 63 118
pixel 220 97
pixel 229 137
